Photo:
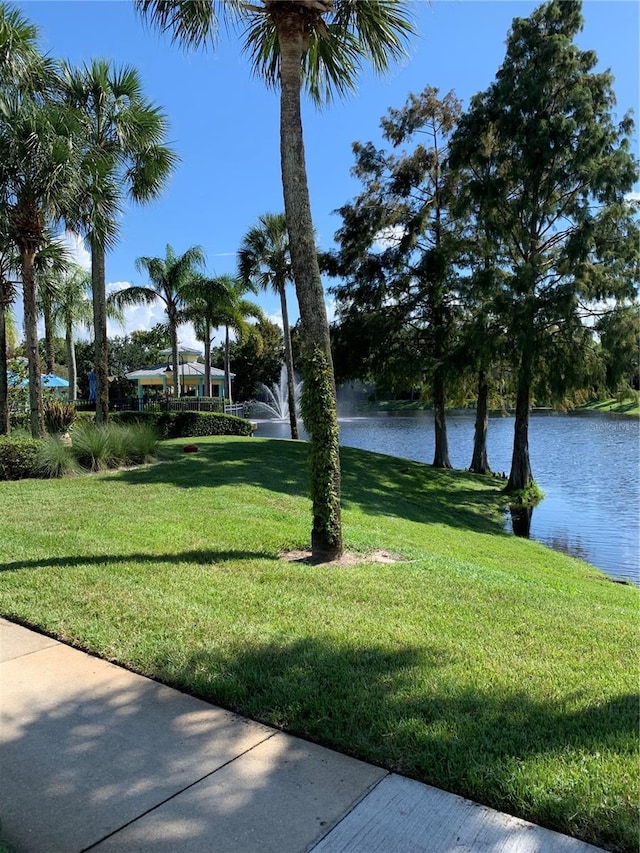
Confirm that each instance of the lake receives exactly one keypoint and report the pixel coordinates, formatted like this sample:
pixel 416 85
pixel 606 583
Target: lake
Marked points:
pixel 587 466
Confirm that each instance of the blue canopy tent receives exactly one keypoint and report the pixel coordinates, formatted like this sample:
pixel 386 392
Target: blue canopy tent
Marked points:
pixel 50 380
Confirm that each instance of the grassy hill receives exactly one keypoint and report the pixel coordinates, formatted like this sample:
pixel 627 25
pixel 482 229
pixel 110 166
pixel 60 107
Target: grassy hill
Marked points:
pixel 484 664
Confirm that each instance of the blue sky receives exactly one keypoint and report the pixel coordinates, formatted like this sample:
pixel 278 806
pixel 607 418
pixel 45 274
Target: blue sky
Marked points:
pixel 224 122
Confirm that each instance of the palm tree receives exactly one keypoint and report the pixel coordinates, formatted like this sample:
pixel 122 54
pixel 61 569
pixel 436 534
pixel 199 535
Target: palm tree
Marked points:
pixel 72 307
pixel 321 44
pixel 233 314
pixel 169 276
pixel 8 285
pixel 51 264
pixel 38 177
pixel 264 258
pixel 204 300
pixel 125 155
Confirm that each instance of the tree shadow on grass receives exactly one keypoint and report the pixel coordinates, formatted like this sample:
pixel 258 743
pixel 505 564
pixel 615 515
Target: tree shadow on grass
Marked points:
pixel 377 484
pixel 206 557
pixel 479 743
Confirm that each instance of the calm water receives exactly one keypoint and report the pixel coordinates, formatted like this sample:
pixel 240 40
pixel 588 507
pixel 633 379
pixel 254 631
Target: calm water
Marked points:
pixel 587 467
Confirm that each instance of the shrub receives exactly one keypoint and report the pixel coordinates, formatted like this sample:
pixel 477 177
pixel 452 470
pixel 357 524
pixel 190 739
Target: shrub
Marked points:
pixel 92 446
pixel 55 459
pixel 142 441
pixel 18 458
pixel 187 424
pixel 96 448
pixel 58 417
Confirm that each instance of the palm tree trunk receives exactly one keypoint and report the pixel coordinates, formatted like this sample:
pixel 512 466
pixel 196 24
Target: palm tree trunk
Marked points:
pixel 101 366
pixel 207 364
pixel 288 357
pixel 48 337
pixel 5 425
pixel 176 359
pixel 321 418
pixel 71 364
pixel 480 459
pixel 227 366
pixel 27 257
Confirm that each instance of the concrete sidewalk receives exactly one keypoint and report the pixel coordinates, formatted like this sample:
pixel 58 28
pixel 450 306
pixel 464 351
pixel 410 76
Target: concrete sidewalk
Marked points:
pixel 94 757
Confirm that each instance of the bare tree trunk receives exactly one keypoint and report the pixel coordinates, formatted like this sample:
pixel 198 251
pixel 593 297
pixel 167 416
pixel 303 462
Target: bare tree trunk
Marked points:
pixel 71 363
pixel 320 409
pixel 288 357
pixel 27 256
pixel 176 359
pixel 480 459
pixel 207 364
pixel 101 366
pixel 227 365
pixel 5 425
pixel 520 475
pixel 441 455
pixel 49 337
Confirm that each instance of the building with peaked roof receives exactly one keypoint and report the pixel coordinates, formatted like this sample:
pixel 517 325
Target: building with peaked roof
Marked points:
pixel 159 378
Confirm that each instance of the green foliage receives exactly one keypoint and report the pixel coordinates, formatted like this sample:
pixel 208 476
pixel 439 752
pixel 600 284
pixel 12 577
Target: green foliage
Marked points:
pixel 99 447
pixel 58 417
pixel 55 458
pixel 257 358
pixel 187 424
pixel 18 458
pixel 319 414
pixel 96 447
pixel 529 496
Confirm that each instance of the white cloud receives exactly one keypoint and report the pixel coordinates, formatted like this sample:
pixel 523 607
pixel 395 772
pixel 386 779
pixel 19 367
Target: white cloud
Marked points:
pixel 634 196
pixel 388 237
pixel 74 244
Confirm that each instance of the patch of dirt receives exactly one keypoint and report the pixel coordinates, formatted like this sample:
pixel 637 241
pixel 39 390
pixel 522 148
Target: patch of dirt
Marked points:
pixel 347 558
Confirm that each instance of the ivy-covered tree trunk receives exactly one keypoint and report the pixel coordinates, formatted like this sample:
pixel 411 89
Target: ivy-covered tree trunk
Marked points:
pixel 320 411
pixel 480 458
pixel 101 366
pixel 27 258
pixel 288 357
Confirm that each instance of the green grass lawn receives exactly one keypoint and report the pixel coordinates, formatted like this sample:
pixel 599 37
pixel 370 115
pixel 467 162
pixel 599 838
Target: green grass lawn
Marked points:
pixel 484 664
pixel 612 406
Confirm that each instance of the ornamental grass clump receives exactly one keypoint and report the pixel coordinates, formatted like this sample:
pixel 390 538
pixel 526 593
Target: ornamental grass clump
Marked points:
pixel 98 448
pixel 142 442
pixel 55 458
pixel 94 447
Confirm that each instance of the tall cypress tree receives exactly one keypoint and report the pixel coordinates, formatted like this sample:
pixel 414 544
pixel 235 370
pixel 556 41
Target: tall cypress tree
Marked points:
pixel 549 170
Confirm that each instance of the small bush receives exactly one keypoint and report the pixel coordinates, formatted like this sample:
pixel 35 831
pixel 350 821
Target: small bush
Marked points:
pixel 58 417
pixel 143 442
pixel 56 459
pixel 96 448
pixel 92 446
pixel 18 458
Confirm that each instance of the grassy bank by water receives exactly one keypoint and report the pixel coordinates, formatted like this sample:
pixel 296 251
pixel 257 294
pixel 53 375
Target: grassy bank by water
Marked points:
pixel 613 407
pixel 484 664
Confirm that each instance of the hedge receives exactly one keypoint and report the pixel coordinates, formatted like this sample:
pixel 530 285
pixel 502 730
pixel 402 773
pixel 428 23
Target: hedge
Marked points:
pixel 187 424
pixel 19 458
